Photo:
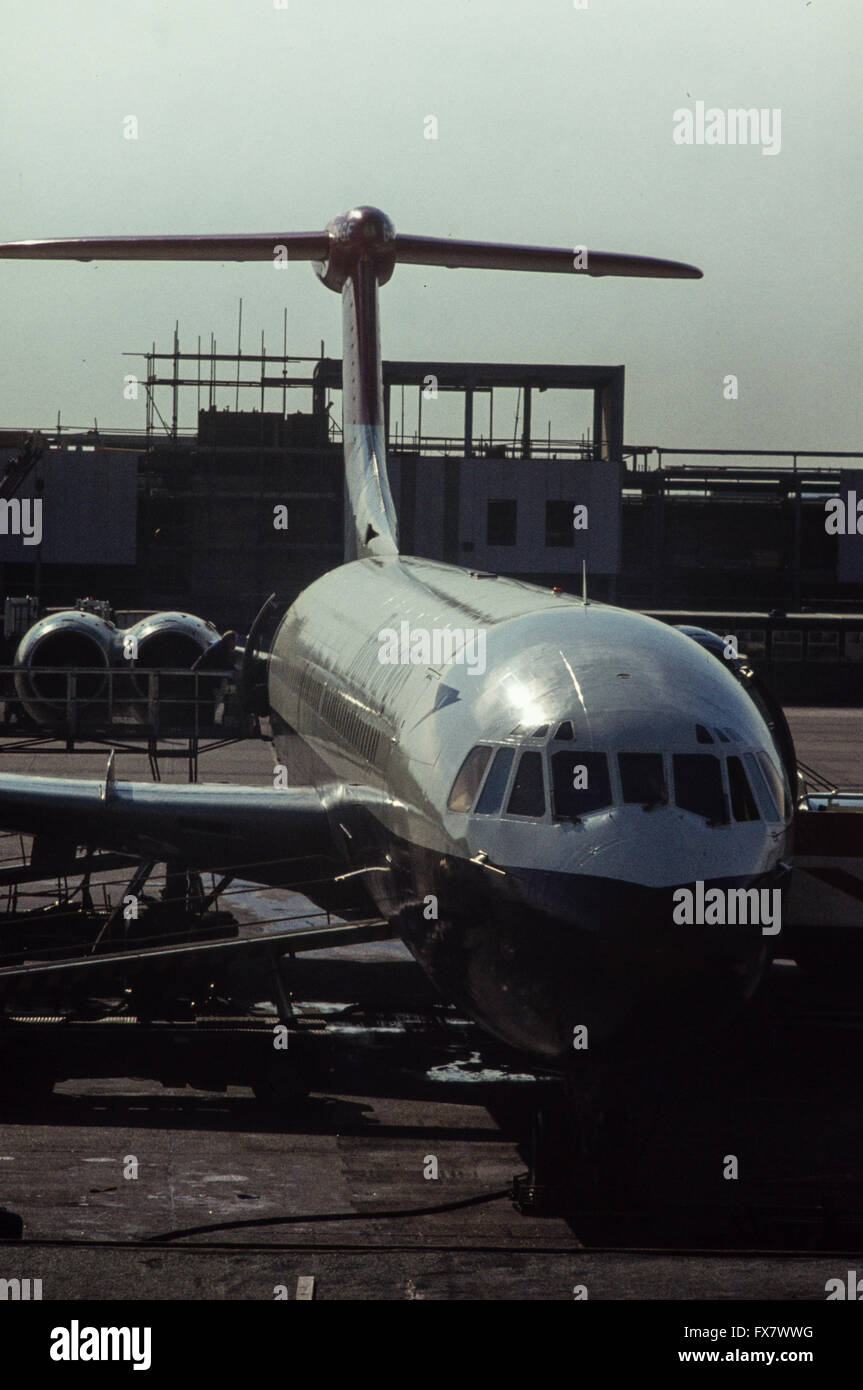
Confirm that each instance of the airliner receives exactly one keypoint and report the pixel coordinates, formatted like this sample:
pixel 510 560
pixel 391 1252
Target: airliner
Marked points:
pixel 523 822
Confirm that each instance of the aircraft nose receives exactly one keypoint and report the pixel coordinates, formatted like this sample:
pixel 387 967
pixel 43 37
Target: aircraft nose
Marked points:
pixel 649 969
pixel 566 966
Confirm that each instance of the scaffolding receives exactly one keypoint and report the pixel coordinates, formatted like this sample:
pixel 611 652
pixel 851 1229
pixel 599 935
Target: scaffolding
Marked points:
pixel 272 374
pixel 207 371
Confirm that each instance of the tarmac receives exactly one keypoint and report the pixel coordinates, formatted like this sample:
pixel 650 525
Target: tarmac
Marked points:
pixel 393 1179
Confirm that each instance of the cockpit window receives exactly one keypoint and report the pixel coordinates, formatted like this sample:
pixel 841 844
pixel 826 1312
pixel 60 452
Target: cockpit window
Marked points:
pixel 466 784
pixel 762 788
pixel 778 785
pixel 698 786
pixel 540 732
pixel 743 805
pixel 564 731
pixel 703 735
pixel 528 793
pixel 495 783
pixel 642 777
pixel 580 784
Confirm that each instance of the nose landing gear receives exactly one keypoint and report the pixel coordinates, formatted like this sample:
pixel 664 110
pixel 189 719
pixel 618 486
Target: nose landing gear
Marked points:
pixel 584 1145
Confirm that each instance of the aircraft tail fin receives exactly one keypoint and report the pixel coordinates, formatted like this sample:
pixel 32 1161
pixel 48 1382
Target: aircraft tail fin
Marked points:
pixel 363 250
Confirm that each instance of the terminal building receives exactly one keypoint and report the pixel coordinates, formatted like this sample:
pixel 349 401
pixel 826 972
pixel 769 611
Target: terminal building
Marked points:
pixel 249 502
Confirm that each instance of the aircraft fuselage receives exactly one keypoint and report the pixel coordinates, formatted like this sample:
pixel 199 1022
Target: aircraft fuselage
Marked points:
pixel 541 913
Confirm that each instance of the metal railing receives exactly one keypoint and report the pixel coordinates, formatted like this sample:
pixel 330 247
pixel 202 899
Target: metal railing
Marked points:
pixel 132 710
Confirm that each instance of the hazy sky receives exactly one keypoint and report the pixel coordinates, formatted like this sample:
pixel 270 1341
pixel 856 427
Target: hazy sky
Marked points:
pixel 555 125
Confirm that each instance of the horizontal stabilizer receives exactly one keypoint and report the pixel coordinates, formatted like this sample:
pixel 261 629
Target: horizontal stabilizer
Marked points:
pixel 294 246
pixel 490 255
pixel 316 246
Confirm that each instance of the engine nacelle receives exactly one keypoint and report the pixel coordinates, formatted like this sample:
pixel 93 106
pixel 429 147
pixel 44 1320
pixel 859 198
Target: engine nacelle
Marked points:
pixel 166 642
pixel 70 639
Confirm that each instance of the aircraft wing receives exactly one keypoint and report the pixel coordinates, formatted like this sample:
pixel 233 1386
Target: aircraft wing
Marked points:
pixel 269 836
pixel 285 838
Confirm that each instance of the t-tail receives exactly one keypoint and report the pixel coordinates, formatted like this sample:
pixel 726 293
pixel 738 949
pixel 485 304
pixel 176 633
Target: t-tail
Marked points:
pixel 355 254
pixel 362 255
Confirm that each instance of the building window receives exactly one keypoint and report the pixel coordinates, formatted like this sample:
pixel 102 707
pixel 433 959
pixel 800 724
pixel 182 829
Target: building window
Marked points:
pixel 787 644
pixel 854 646
pixel 822 646
pixel 501 521
pixel 558 523
pixel 752 642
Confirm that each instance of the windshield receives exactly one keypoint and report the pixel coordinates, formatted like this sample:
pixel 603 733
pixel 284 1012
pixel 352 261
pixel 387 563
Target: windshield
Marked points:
pixel 580 784
pixel 698 786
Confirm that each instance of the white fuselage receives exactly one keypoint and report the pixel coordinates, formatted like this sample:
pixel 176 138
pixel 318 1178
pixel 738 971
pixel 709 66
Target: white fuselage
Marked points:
pixel 376 713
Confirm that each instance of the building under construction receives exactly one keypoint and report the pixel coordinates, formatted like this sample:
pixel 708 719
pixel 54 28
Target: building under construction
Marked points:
pixel 214 517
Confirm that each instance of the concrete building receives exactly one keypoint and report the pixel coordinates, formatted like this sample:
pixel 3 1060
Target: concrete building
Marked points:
pixel 250 502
